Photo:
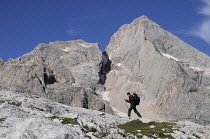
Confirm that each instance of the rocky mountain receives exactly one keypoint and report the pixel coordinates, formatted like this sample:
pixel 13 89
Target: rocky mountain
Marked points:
pixel 24 116
pixel 67 72
pixel 172 78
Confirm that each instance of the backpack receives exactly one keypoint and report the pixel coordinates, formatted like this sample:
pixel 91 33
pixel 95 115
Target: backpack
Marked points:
pixel 136 98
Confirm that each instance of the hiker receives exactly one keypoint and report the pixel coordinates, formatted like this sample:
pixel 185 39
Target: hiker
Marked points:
pixel 132 102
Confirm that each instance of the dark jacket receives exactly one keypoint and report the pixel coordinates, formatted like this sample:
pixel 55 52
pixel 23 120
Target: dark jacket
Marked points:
pixel 131 100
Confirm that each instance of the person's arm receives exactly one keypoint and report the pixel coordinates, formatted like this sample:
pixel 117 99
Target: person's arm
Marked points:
pixel 127 100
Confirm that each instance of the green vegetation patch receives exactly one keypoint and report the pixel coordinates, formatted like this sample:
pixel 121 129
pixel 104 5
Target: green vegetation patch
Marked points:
pixel 97 134
pixel 151 129
pixel 1 101
pixel 67 110
pixel 65 120
pixel 87 136
pixel 15 104
pixel 87 129
pixel 39 109
pixel 2 119
pixel 103 134
pixel 102 114
pixel 36 96
pixel 197 137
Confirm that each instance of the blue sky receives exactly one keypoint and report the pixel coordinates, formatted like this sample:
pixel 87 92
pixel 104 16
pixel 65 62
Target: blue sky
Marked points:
pixel 26 23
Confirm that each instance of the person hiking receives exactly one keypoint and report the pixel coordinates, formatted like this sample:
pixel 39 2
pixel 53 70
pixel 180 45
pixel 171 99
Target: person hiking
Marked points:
pixel 131 100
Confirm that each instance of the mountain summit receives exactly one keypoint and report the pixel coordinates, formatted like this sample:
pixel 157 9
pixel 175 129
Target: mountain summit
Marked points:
pixel 172 78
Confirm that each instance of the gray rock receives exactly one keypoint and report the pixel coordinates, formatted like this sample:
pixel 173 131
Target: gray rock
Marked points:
pixel 1 60
pixel 64 71
pixel 37 117
pixel 41 118
pixel 171 77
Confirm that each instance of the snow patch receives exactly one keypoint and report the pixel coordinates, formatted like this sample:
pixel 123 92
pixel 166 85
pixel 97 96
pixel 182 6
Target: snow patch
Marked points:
pixel 105 96
pixel 196 69
pixel 66 49
pixel 83 45
pixel 152 126
pixel 170 57
pixel 110 56
pixel 119 64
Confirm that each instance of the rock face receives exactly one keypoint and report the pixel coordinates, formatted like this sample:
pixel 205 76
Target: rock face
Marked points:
pixel 1 60
pixel 63 71
pixel 172 78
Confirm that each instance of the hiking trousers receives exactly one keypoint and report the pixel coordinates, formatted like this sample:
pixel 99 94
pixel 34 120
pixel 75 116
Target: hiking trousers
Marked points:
pixel 133 107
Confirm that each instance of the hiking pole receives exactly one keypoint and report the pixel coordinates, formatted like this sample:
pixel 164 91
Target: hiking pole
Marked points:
pixel 126 104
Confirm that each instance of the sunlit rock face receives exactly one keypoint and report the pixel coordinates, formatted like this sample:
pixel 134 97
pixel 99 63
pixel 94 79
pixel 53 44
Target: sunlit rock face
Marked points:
pixel 63 71
pixel 172 78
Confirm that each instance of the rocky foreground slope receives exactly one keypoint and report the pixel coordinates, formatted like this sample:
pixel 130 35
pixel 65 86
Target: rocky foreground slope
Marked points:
pixel 24 116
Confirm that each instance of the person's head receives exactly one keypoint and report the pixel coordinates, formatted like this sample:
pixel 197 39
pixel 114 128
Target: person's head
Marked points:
pixel 128 94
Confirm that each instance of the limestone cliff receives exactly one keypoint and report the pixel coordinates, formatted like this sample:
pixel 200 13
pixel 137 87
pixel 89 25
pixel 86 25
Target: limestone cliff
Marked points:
pixel 171 77
pixel 63 71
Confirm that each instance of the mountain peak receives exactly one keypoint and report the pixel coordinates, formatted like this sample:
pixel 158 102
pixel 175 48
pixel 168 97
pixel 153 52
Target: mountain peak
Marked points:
pixel 144 17
pixel 161 68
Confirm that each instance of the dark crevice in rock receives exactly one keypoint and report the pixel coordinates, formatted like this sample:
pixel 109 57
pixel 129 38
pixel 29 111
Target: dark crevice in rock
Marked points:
pixel 85 100
pixel 49 79
pixel 105 67
pixel 103 108
pixel 38 79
